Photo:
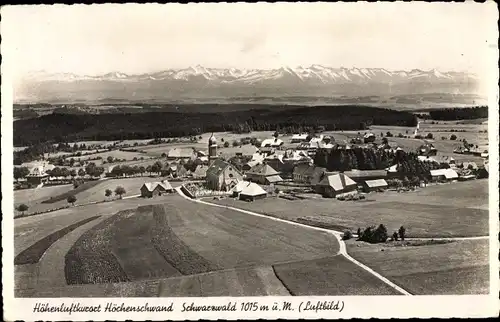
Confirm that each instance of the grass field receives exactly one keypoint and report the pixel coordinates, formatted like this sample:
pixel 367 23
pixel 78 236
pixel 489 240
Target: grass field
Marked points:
pixel 460 267
pixel 457 209
pixel 330 276
pixel 29 230
pixel 92 191
pixel 127 155
pixel 32 254
pixel 188 238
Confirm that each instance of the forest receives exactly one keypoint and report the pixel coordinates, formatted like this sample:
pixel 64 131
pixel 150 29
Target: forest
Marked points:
pixel 452 114
pixel 55 127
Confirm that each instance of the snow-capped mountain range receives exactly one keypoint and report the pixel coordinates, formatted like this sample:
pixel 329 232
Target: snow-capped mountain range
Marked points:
pixel 199 81
pixel 314 73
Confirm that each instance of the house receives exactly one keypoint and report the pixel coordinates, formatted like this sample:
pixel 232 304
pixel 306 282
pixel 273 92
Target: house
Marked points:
pixel 250 164
pixel 374 185
pixel 272 143
pixel 363 175
pixel 200 172
pixel 267 150
pixel 332 185
pixel 470 165
pixel 307 173
pixel 466 177
pixel 153 189
pixel 369 138
pixel 221 175
pixel 170 169
pixel 427 149
pixel 263 174
pixel 444 174
pixel 181 153
pixel 299 138
pixel 37 176
pixel 182 172
pixel 251 192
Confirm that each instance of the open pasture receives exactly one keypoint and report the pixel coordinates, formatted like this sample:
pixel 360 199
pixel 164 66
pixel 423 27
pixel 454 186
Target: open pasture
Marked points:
pixel 191 238
pixel 425 213
pixel 460 267
pixel 127 155
pixel 257 281
pixel 330 276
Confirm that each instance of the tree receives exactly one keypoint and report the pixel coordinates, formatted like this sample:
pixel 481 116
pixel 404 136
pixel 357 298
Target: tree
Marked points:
pixel 163 155
pixel 71 199
pixel 429 136
pixel 22 208
pixel 389 134
pixel 72 173
pixel 385 141
pixel 236 143
pixel 81 173
pixel 395 236
pixel 226 144
pixel 20 172
pixel 453 137
pixel 347 235
pixel 402 233
pixel 120 191
pixel 110 159
pixel 108 192
pixel 380 234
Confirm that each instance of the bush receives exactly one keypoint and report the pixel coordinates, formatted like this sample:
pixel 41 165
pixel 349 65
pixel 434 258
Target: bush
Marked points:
pixel 389 134
pixel 347 235
pixel 453 137
pixel 71 199
pixel 418 136
pixel 226 144
pixel 443 138
pixel 22 208
pixel 430 136
pixel 374 236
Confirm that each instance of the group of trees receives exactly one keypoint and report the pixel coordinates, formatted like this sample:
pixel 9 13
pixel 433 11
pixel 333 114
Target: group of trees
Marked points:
pixel 376 235
pixel 20 172
pixel 450 114
pixel 339 159
pixel 115 127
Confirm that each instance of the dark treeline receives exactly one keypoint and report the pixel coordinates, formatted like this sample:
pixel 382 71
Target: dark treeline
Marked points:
pixel 375 159
pixel 64 128
pixel 451 114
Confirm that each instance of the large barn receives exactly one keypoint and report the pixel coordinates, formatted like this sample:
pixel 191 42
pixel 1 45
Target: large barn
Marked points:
pixel 153 189
pixel 335 184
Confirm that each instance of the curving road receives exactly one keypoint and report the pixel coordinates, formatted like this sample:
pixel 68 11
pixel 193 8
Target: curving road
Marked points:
pixel 337 234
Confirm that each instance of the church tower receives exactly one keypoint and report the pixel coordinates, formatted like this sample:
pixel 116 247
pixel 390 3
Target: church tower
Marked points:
pixel 212 149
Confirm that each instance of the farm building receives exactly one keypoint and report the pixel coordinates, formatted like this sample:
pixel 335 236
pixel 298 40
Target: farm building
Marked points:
pixel 250 164
pixel 251 192
pixel 332 185
pixel 363 175
pixel 470 165
pixel 153 189
pixel 369 137
pixel 374 185
pixel 427 149
pixel 466 177
pixel 299 138
pixel 221 175
pixel 263 174
pixel 170 169
pixel 307 173
pixel 181 153
pixel 444 174
pixel 267 150
pixel 200 172
pixel 272 143
pixel 37 176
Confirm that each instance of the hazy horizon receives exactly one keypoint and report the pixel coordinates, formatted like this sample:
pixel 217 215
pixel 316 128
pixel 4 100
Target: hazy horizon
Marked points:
pixel 138 39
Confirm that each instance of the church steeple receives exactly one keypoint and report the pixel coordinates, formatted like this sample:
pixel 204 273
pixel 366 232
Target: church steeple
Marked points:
pixel 212 149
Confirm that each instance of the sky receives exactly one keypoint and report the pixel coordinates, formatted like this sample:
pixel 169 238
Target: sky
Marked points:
pixel 134 39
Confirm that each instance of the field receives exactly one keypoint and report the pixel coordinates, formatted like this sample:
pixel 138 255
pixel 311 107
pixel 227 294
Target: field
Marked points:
pixel 93 192
pixel 456 209
pixel 460 267
pixel 190 250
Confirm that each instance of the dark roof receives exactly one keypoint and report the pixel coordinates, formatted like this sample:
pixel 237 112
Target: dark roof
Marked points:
pixel 306 169
pixel 262 169
pixel 366 174
pixel 217 167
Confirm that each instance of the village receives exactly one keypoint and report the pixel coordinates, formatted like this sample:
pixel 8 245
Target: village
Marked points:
pixel 268 167
pixel 378 195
